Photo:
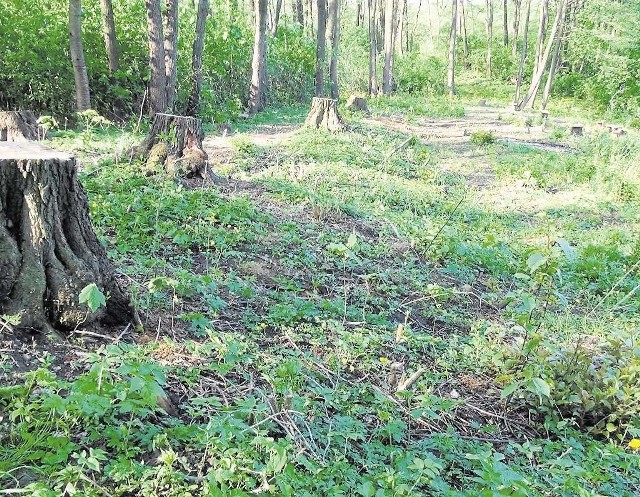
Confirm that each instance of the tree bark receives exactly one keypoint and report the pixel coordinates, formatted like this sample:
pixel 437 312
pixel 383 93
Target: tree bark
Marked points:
pixel 358 12
pixel 529 98
pixel 321 47
pixel 48 250
pixel 110 38
pixel 257 95
pixel 83 98
pixel 516 26
pixel 157 85
pixel 505 22
pixel 174 144
pixel 389 43
pixel 333 30
pixel 276 18
pixel 489 7
pixel 373 48
pixel 555 62
pixel 463 28
pixel 451 73
pixel 171 52
pixel 19 126
pixel 193 104
pixel 542 29
pixel 324 114
pixel 523 54
pixel 299 12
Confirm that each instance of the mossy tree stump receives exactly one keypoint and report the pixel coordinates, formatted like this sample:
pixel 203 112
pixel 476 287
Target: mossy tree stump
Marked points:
pixel 48 249
pixel 19 126
pixel 175 144
pixel 324 114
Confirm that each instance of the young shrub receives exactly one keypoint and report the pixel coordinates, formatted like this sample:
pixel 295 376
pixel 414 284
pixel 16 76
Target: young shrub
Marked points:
pixel 483 138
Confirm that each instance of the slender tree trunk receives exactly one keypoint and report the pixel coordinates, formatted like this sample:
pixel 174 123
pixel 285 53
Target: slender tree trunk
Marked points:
pixel 170 51
pixel 404 39
pixel 83 97
pixel 373 48
pixel 389 41
pixel 157 85
pixel 358 12
pixel 299 13
pixel 257 96
pixel 333 30
pixel 193 105
pixel 463 30
pixel 505 22
pixel 110 38
pixel 542 29
pixel 452 49
pixel 321 46
pixel 489 6
pixel 555 62
pixel 523 54
pixel 530 97
pixel 276 18
pixel 516 26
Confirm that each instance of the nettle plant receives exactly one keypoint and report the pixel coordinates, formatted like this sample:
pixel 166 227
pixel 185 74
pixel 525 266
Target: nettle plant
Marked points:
pixel 591 383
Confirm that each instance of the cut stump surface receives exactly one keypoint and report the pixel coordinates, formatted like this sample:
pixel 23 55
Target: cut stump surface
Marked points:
pixel 48 249
pixel 175 143
pixel 324 114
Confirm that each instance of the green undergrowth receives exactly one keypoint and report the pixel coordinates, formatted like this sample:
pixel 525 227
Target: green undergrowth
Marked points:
pixel 288 304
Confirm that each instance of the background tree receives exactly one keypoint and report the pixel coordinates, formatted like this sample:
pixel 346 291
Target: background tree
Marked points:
pixel 83 98
pixel 505 22
pixel 489 28
pixel 257 92
pixel 171 51
pixel 193 104
pixel 333 29
pixel 373 48
pixel 389 45
pixel 110 38
pixel 451 73
pixel 158 83
pixel 321 46
pixel 523 52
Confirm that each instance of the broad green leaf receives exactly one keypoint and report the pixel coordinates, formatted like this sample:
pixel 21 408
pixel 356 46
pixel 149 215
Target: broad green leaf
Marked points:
pixel 569 251
pixel 535 261
pixel 93 297
pixel 541 387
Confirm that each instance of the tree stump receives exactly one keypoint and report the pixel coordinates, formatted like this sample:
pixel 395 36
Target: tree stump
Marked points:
pixel 48 249
pixel 357 103
pixel 175 143
pixel 19 126
pixel 577 130
pixel 324 114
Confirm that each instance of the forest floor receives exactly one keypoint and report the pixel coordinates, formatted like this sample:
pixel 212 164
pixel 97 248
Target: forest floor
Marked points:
pixel 435 302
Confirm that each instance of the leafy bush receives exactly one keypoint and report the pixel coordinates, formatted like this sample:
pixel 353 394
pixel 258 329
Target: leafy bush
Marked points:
pixel 417 74
pixel 483 138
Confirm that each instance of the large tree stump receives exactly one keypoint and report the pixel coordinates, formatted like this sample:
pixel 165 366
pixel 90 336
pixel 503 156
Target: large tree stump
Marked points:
pixel 324 114
pixel 19 126
pixel 175 143
pixel 48 249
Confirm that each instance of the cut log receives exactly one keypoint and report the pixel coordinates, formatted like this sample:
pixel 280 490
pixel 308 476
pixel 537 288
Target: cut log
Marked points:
pixel 324 114
pixel 48 249
pixel 357 103
pixel 175 144
pixel 19 126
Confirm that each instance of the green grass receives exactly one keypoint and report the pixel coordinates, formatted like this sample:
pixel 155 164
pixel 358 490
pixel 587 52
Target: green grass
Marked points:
pixel 281 304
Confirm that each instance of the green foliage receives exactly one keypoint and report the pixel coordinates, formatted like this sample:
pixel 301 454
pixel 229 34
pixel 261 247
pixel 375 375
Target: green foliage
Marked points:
pixel 483 138
pixel 93 297
pixel 420 75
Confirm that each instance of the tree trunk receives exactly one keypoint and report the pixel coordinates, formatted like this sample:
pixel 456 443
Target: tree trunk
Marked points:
pixel 299 13
pixel 157 85
pixel 324 114
pixel 516 26
pixel 321 46
pixel 463 28
pixel 389 42
pixel 110 38
pixel 529 98
pixel 505 22
pixel 48 250
pixel 19 126
pixel 257 95
pixel 523 54
pixel 83 98
pixel 109 33
pixel 451 73
pixel 193 105
pixel 276 18
pixel 171 51
pixel 555 62
pixel 373 49
pixel 358 12
pixel 489 6
pixel 333 29
pixel 174 144
pixel 542 29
